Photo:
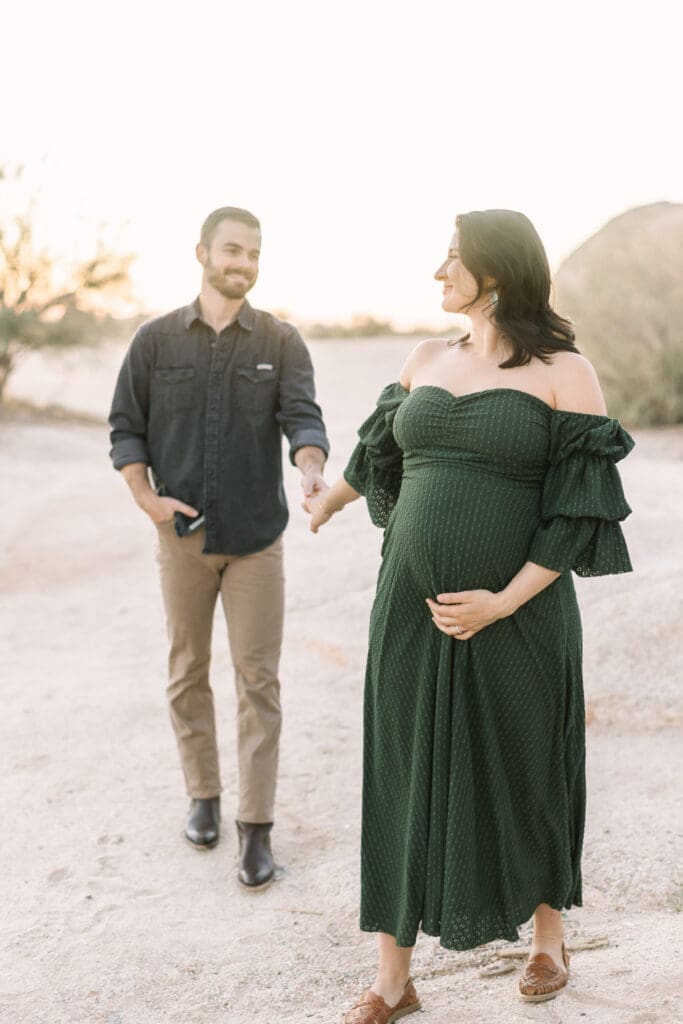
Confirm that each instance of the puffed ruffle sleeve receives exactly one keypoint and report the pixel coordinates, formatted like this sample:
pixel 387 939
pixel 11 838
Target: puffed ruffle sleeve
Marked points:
pixel 583 501
pixel 376 464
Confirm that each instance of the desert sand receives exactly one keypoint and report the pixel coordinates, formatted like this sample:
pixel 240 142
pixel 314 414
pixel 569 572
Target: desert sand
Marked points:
pixel 109 917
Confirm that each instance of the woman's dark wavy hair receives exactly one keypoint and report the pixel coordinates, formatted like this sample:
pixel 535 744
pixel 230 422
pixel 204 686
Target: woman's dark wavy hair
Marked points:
pixel 505 246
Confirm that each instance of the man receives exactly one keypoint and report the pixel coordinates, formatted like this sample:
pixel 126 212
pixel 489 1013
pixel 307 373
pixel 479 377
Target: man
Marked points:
pixel 202 399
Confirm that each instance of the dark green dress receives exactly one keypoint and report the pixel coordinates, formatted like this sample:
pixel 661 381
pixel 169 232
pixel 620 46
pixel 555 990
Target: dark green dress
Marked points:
pixel 474 752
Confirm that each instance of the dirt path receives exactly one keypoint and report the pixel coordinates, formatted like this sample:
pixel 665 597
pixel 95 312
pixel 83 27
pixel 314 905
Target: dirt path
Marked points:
pixel 109 918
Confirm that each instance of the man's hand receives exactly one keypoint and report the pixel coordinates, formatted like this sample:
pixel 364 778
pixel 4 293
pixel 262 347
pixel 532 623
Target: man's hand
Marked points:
pixel 159 510
pixel 318 511
pixel 463 614
pixel 310 461
pixel 313 484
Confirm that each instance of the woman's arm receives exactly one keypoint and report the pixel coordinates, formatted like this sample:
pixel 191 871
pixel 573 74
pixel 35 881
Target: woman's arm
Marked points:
pixel 463 614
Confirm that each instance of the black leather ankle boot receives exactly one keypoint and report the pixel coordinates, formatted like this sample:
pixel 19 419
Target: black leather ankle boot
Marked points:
pixel 202 827
pixel 256 861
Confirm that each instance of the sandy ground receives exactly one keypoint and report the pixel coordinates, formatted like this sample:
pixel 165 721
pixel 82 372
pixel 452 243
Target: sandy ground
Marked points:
pixel 110 918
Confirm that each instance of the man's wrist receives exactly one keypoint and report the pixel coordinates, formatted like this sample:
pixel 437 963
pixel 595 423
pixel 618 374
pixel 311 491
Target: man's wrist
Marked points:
pixel 145 499
pixel 144 495
pixel 310 459
pixel 136 476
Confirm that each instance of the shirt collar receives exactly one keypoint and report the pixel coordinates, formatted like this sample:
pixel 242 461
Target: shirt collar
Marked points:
pixel 245 317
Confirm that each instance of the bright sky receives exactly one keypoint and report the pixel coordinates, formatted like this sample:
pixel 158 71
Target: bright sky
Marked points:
pixel 355 131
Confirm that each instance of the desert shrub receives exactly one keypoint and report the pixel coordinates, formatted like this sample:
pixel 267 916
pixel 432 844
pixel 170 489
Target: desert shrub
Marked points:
pixel 623 289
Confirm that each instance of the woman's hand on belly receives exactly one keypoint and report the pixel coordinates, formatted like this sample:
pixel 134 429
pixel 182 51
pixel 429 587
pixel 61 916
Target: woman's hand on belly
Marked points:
pixel 463 614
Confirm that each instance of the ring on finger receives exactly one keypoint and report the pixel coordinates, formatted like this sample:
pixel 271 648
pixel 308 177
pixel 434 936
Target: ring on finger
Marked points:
pixel 458 629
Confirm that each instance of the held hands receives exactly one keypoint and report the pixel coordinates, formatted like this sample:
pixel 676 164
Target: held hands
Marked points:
pixel 463 614
pixel 312 484
pixel 314 504
pixel 310 462
pixel 325 501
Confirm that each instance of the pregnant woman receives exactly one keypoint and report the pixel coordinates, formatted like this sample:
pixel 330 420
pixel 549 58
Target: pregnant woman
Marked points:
pixel 491 463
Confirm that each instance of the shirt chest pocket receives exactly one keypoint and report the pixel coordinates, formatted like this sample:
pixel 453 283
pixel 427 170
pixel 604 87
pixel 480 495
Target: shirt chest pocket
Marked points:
pixel 257 389
pixel 174 388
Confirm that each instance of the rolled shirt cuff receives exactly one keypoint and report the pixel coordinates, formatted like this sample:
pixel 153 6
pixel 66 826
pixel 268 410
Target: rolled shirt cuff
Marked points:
pixel 128 450
pixel 302 438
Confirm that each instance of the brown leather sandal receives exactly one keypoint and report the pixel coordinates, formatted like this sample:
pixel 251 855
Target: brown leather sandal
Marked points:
pixel 371 1008
pixel 542 978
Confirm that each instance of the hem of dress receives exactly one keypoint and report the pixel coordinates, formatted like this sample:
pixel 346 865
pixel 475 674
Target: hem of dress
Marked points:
pixel 510 936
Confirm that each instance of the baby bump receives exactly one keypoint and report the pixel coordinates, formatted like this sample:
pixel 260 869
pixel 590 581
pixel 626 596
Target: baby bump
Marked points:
pixel 460 529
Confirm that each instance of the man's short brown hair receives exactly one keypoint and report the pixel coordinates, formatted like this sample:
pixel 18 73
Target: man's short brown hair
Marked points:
pixel 226 213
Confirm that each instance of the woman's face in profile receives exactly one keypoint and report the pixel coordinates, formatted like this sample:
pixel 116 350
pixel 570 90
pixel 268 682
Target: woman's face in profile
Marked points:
pixel 459 286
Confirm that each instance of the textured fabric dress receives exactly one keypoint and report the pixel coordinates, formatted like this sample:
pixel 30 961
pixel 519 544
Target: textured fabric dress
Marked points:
pixel 474 751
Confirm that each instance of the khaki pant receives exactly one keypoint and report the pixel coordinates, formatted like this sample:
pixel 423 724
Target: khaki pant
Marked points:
pixel 252 591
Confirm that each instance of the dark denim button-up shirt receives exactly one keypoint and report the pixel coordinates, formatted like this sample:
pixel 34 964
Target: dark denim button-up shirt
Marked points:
pixel 206 412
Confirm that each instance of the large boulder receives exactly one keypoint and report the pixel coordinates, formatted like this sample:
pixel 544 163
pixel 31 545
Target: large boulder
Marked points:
pixel 623 290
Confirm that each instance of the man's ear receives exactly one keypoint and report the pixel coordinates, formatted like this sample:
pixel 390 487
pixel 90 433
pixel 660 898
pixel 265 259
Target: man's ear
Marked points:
pixel 202 253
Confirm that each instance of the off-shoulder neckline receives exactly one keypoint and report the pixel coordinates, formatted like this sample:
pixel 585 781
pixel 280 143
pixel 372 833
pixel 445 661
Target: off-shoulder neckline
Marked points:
pixel 489 391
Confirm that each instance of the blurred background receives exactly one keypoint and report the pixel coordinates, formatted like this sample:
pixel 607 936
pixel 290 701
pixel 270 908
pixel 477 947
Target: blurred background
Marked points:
pixel 356 135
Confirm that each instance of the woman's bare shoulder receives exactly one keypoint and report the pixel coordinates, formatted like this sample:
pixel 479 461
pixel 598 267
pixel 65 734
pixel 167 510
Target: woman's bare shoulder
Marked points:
pixel 422 354
pixel 575 384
